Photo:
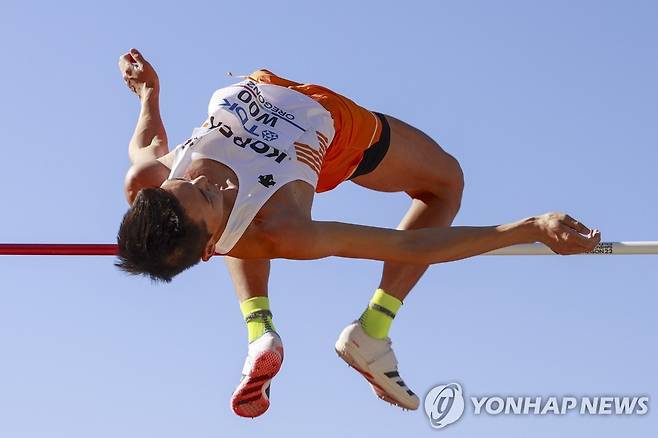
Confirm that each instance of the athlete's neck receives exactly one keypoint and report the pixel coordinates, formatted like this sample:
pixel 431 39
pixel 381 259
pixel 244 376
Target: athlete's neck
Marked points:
pixel 223 177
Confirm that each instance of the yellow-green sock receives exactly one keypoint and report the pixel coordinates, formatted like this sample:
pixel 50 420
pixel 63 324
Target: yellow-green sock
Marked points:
pixel 257 315
pixel 376 320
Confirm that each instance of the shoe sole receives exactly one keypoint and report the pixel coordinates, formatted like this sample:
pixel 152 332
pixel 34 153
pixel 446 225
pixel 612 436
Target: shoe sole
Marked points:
pixel 381 392
pixel 249 398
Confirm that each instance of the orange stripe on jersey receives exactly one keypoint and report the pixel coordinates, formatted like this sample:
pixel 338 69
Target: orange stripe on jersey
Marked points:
pixel 323 147
pixel 313 153
pixel 321 135
pixel 309 157
pixel 304 145
pixel 317 154
pixel 308 163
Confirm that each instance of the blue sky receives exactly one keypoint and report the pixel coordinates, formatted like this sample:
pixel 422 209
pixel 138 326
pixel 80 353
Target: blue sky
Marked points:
pixel 547 105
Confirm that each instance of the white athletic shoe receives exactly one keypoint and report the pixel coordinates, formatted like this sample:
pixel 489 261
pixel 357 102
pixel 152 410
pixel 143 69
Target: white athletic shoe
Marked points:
pixel 252 396
pixel 375 360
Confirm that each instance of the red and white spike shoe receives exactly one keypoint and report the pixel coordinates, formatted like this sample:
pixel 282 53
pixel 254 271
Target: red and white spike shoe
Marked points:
pixel 252 396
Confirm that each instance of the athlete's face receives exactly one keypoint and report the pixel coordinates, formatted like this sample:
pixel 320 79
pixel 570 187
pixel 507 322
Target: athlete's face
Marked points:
pixel 202 202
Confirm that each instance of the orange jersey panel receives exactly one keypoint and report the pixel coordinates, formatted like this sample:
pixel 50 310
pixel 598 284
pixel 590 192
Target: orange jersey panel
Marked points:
pixel 356 129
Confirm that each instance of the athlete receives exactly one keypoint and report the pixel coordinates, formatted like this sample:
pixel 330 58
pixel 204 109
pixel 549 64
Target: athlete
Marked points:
pixel 242 186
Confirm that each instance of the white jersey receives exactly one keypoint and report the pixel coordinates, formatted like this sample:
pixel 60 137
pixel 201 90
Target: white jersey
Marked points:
pixel 268 135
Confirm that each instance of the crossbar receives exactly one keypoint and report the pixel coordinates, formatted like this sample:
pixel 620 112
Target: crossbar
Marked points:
pixel 104 249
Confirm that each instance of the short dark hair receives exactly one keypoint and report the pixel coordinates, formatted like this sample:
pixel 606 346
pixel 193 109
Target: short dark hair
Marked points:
pixel 157 239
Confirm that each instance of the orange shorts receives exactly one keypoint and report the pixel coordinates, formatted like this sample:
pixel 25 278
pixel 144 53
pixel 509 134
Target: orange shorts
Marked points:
pixel 356 129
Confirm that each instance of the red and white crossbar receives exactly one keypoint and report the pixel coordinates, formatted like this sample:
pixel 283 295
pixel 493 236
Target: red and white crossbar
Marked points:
pixel 92 249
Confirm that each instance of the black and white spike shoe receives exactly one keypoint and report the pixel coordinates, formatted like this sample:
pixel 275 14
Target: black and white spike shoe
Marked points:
pixel 376 361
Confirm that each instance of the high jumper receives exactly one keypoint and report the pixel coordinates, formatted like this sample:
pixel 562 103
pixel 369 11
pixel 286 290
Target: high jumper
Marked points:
pixel 243 185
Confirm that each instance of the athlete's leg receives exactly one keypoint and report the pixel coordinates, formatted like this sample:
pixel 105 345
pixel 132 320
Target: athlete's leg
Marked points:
pixel 250 279
pixel 417 165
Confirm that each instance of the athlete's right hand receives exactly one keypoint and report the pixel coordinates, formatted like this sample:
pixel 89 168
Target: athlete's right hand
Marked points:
pixel 565 235
pixel 138 74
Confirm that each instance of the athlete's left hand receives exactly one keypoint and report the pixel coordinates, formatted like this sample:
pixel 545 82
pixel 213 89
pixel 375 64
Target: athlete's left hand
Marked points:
pixel 565 235
pixel 138 73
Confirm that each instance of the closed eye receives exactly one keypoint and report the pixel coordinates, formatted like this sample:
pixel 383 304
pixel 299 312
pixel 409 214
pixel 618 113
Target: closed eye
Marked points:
pixel 203 192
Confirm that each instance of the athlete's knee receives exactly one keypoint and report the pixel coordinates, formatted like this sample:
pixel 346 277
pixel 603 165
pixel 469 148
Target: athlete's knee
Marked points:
pixel 448 179
pixel 456 175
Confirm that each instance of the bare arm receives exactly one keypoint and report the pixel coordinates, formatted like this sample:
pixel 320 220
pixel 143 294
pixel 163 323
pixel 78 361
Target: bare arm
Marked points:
pixel 250 277
pixel 433 245
pixel 149 140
